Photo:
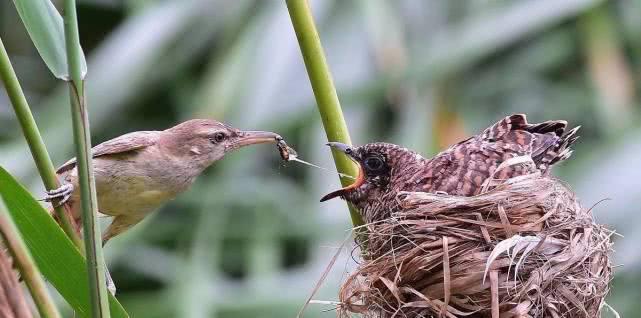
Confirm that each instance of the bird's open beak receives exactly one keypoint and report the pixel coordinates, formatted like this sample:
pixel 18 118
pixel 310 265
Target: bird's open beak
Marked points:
pixel 360 179
pixel 346 149
pixel 247 138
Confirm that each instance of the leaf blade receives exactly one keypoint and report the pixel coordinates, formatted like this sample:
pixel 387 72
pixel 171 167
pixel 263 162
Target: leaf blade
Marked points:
pixel 46 30
pixel 55 255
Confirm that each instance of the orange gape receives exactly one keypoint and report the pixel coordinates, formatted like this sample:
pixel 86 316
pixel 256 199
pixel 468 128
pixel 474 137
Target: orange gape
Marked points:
pixel 462 169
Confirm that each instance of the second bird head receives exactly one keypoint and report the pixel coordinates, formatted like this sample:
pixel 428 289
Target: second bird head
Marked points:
pixel 379 165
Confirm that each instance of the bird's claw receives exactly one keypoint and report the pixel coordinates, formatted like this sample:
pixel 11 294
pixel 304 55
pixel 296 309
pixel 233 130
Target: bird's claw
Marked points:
pixel 60 195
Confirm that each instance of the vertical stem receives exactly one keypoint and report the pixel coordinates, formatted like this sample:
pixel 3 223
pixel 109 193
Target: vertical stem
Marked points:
pixel 82 138
pixel 34 140
pixel 323 87
pixel 28 269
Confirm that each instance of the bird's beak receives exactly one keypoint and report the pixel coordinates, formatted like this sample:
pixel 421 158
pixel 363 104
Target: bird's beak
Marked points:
pixel 346 149
pixel 246 138
pixel 360 179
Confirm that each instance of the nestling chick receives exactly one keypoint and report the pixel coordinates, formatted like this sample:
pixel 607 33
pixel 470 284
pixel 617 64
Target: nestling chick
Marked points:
pixel 386 169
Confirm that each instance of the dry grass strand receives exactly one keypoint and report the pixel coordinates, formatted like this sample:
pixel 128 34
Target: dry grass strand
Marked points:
pixel 524 248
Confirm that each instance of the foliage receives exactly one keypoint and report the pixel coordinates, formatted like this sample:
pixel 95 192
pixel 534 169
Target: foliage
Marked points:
pixel 55 255
pixel 250 237
pixel 44 24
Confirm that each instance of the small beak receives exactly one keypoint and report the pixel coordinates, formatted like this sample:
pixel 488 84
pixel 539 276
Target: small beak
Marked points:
pixel 247 138
pixel 360 179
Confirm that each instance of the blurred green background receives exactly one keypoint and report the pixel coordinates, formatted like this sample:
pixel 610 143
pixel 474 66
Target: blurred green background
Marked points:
pixel 250 238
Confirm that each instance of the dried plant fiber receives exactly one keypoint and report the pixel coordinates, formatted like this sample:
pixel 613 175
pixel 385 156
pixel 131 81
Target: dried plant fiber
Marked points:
pixel 12 301
pixel 523 248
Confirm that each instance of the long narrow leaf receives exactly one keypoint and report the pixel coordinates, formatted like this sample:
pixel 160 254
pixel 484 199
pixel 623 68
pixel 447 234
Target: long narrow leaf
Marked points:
pixel 55 255
pixel 24 262
pixel 45 27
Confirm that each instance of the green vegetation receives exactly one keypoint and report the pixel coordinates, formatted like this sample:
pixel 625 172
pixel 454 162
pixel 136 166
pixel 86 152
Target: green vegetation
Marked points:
pixel 86 181
pixel 24 262
pixel 54 254
pixel 32 136
pixel 324 90
pixel 250 237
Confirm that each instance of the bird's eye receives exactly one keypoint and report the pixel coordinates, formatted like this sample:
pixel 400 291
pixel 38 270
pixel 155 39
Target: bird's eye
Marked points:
pixel 218 137
pixel 374 163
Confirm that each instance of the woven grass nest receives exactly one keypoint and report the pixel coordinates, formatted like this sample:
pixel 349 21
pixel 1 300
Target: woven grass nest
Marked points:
pixel 523 248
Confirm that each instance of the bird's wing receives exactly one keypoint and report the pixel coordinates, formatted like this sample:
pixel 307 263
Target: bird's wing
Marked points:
pixel 463 168
pixel 546 142
pixel 125 143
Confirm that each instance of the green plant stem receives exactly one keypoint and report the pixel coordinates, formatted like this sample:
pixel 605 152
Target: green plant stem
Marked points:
pixel 22 258
pixel 324 90
pixel 82 140
pixel 34 140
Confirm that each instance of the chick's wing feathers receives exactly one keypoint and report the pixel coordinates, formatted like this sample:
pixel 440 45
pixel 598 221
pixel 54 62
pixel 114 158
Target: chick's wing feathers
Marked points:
pixel 504 126
pixel 546 142
pixel 125 143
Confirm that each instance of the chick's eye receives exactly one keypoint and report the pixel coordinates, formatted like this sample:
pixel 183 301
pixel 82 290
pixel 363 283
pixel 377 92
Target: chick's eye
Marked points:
pixel 218 137
pixel 374 163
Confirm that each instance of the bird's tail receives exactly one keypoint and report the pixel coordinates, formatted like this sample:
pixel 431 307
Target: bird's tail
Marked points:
pixel 560 150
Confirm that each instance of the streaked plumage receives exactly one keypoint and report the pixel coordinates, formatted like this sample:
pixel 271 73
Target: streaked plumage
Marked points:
pixel 461 169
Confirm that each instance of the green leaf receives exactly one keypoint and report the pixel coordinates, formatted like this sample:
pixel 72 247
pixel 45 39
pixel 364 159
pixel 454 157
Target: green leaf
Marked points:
pixel 55 255
pixel 46 29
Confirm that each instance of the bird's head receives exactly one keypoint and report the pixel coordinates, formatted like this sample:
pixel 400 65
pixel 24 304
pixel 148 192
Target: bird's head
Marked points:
pixel 379 166
pixel 204 141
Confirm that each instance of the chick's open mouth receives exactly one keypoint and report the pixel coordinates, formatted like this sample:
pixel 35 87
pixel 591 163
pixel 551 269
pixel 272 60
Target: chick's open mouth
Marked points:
pixel 360 179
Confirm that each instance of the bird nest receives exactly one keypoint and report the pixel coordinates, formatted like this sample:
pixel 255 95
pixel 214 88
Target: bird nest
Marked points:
pixel 523 248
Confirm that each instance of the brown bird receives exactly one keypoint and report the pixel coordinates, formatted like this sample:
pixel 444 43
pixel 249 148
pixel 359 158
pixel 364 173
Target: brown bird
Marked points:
pixel 385 169
pixel 138 172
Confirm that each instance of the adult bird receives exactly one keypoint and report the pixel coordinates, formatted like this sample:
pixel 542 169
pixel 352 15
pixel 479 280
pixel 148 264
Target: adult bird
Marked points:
pixel 463 169
pixel 138 172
